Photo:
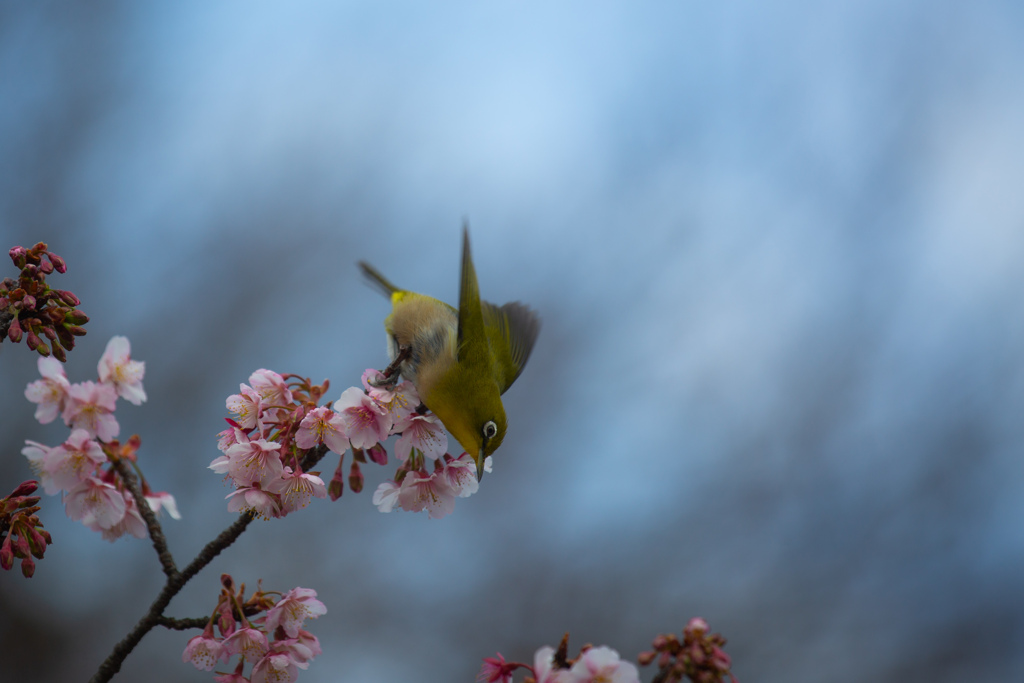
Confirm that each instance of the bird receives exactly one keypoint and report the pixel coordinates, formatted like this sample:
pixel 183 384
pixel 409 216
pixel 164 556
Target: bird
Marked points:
pixel 461 360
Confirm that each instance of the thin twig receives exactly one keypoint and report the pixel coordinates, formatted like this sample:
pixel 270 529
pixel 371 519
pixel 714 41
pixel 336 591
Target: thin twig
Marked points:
pixel 156 532
pixel 182 624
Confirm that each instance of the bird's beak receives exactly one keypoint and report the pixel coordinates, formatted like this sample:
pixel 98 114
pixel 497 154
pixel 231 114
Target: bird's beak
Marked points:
pixel 480 464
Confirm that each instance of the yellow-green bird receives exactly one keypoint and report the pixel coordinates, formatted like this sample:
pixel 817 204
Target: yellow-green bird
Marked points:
pixel 460 360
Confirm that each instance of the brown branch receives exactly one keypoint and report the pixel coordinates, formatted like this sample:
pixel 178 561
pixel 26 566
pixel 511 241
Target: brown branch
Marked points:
pixel 175 580
pixel 156 532
pixel 175 583
pixel 182 624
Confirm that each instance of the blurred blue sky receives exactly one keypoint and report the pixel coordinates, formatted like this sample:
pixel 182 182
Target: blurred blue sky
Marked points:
pixel 777 252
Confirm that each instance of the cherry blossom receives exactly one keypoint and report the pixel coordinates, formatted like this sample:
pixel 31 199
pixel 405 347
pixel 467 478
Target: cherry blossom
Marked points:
pixel 366 423
pixel 248 642
pixel 36 454
pixel 423 432
pixel 322 425
pixel 386 496
pixel 296 489
pixel 245 406
pixel 271 387
pixel 72 461
pixel 460 474
pixel 161 500
pixel 50 392
pixel 544 670
pixel 275 667
pixel 602 665
pixel 118 369
pixel 90 406
pixel 293 609
pixel 204 651
pixel 95 503
pixel 432 493
pixel 402 403
pixel 253 498
pixel 254 461
pixel 131 523
pixel 496 670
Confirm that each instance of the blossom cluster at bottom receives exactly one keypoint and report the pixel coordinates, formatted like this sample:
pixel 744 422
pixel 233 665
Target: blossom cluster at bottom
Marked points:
pixel 275 643
pixel 697 656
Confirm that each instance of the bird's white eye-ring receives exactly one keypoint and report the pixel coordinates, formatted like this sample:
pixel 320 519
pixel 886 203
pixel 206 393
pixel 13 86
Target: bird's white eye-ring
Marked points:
pixel 490 429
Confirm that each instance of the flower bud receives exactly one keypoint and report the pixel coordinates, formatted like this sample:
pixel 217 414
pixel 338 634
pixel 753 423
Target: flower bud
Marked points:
pixel 18 255
pixel 57 262
pixel 21 547
pixel 36 543
pixel 59 353
pixel 67 340
pixel 28 302
pixel 75 330
pixel 645 658
pixel 67 297
pixel 32 340
pixel 25 488
pixel 6 554
pixel 337 485
pixel 43 350
pixel 46 267
pixel 378 454
pixel 28 567
pixel 48 331
pixel 355 478
pixel 225 620
pixel 14 332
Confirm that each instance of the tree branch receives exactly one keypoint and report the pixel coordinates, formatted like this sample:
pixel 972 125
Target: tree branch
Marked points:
pixel 152 618
pixel 175 580
pixel 156 532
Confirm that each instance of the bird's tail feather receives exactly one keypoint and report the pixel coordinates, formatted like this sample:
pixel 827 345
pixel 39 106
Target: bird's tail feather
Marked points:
pixel 378 280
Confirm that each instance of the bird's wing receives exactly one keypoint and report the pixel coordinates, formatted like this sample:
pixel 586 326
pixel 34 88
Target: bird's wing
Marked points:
pixel 512 330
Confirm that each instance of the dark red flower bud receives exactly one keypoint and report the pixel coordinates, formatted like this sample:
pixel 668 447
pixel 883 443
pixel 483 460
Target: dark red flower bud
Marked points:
pixel 37 543
pixel 378 454
pixel 645 658
pixel 67 297
pixel 14 331
pixel 59 353
pixel 28 567
pixel 75 330
pixel 6 554
pixel 337 485
pixel 57 262
pixel 355 478
pixel 25 488
pixel 46 267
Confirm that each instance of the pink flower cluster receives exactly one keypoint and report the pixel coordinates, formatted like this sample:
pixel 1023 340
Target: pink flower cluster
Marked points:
pixel 275 423
pixel 260 440
pixel 275 643
pixel 594 665
pixel 79 468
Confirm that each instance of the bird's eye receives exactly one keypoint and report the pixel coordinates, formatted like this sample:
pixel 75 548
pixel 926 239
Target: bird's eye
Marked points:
pixel 490 429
